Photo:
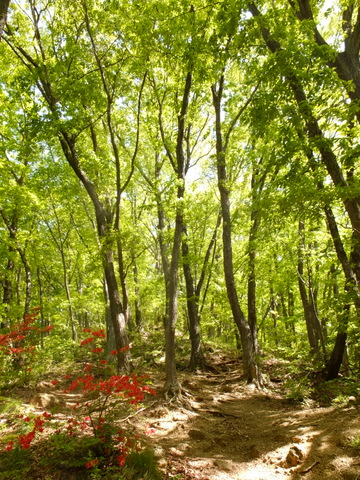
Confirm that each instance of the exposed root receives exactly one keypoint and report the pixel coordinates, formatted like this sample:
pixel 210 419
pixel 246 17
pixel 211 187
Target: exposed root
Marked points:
pixel 175 395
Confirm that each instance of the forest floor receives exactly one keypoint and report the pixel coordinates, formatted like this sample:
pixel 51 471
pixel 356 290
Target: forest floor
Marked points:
pixel 227 430
pixel 235 432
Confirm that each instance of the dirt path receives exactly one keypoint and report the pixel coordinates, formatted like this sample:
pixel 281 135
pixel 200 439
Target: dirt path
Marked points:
pixel 227 430
pixel 233 432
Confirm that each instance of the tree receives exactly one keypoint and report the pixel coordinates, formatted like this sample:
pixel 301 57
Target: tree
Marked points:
pixel 4 6
pixel 251 369
pixel 46 66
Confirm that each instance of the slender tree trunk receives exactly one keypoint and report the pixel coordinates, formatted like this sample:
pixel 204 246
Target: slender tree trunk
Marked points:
pixel 251 299
pixel 193 293
pixel 41 304
pixel 110 335
pixel 59 239
pixel 12 226
pixel 18 283
pixel 138 314
pixel 334 363
pixel 163 246
pixel 124 289
pixel 197 359
pixel 7 283
pixel 103 220
pixel 256 189
pixel 8 291
pixel 250 366
pixel 108 89
pixel 28 281
pixel 103 216
pixel 172 386
pixel 274 314
pixel 306 302
pixel 68 296
pixel 351 285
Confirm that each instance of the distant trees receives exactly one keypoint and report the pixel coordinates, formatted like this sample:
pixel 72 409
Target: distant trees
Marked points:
pixel 117 117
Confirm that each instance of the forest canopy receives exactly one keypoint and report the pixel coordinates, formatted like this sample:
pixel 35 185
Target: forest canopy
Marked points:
pixel 187 169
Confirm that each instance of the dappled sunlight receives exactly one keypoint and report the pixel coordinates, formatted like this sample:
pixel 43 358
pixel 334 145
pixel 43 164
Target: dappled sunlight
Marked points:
pixel 228 430
pixel 235 432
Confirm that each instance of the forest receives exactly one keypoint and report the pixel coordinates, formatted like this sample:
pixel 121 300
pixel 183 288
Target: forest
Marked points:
pixel 179 197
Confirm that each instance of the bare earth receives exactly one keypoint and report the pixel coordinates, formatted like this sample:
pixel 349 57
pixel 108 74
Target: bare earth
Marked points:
pixel 227 430
pixel 231 431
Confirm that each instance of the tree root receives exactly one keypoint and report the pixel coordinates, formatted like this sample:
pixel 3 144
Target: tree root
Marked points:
pixel 175 394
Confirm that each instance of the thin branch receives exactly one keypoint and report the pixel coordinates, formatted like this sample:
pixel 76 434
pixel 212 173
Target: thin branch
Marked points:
pixel 133 158
pixel 236 118
pixel 161 125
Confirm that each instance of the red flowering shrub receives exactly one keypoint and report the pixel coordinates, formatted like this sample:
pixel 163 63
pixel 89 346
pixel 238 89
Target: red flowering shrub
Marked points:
pixel 18 346
pixel 25 439
pixel 105 400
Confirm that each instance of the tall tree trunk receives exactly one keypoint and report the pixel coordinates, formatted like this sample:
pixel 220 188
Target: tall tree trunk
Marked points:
pixel 197 359
pixel 4 6
pixel 250 366
pixel 103 215
pixel 41 304
pixel 336 358
pixel 12 226
pixel 333 364
pixel 308 306
pixel 68 297
pixel 314 133
pixel 138 314
pixel 108 89
pixel 124 289
pixel 28 281
pixel 251 298
pixel 193 294
pixel 117 313
pixel 10 267
pixel 257 185
pixel 104 227
pixel 172 386
pixel 274 314
pixel 59 239
pixel 7 283
pixel 110 335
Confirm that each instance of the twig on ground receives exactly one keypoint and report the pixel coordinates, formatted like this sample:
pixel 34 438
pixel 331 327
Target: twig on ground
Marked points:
pixel 307 470
pixel 138 411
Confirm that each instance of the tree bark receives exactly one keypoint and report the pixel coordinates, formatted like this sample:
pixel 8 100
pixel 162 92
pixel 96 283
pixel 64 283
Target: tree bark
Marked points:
pixel 312 323
pixel 322 144
pixel 346 63
pixel 4 7
pixel 124 289
pixel 337 355
pixel 28 281
pixel 138 314
pixel 104 223
pixel 103 215
pixel 7 283
pixel 172 386
pixel 257 185
pixel 197 359
pixel 250 366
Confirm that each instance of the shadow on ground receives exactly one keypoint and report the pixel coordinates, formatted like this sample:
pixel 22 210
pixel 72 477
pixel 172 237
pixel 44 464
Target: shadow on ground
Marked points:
pixel 235 432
